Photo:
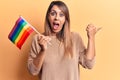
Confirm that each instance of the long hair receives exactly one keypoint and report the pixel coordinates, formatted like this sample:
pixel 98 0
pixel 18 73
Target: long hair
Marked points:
pixel 64 35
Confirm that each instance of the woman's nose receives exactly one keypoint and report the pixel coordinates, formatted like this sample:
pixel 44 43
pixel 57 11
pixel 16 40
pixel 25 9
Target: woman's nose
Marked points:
pixel 57 17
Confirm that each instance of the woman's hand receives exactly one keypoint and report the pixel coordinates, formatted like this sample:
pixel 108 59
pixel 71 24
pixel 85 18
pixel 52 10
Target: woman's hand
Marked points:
pixel 43 41
pixel 92 30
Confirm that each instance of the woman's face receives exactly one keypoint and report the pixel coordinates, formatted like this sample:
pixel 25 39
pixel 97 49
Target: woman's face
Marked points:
pixel 56 19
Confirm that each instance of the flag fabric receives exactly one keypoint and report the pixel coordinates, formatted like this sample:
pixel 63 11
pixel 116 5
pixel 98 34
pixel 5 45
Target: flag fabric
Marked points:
pixel 20 32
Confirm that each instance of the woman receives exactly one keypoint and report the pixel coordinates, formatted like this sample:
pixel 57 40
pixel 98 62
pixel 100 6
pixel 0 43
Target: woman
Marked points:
pixel 57 53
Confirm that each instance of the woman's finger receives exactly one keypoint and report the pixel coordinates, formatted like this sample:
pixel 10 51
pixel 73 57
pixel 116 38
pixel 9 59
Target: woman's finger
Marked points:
pixel 98 29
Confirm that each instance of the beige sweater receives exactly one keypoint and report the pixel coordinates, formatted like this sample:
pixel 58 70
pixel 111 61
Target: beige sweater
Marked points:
pixel 55 67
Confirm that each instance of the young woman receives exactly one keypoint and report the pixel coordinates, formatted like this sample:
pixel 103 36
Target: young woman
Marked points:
pixel 57 53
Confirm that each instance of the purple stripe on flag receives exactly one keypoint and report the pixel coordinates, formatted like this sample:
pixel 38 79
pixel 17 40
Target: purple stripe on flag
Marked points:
pixel 15 26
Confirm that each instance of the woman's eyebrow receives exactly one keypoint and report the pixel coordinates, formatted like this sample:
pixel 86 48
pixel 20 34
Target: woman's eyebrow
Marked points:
pixel 56 10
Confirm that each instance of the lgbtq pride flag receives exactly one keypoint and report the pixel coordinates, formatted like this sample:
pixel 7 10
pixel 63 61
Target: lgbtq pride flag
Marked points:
pixel 20 32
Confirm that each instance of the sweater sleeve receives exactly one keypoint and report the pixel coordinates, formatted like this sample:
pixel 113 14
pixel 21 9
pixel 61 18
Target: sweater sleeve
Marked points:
pixel 35 49
pixel 86 63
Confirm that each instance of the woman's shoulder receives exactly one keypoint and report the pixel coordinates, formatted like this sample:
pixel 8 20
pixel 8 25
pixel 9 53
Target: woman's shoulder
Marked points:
pixel 75 34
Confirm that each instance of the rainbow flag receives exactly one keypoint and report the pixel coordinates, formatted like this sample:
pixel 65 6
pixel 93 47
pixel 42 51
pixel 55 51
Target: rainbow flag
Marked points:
pixel 20 32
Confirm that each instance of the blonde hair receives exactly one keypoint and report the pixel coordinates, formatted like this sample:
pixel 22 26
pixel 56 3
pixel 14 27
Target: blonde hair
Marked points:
pixel 64 35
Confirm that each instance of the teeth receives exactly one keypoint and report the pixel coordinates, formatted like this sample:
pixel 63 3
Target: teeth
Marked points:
pixel 56 24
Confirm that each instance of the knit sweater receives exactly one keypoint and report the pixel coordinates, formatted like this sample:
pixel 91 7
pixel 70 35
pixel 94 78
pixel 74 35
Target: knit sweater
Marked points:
pixel 55 65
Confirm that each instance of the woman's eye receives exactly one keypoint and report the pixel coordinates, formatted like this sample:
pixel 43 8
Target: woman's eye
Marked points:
pixel 52 13
pixel 61 14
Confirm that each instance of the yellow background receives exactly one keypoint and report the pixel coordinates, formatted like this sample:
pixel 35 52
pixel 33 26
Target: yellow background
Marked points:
pixel 102 13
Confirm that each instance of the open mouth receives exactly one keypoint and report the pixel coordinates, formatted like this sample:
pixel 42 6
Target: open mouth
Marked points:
pixel 55 25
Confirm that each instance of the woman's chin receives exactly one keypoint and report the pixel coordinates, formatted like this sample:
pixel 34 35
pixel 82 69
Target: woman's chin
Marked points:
pixel 56 31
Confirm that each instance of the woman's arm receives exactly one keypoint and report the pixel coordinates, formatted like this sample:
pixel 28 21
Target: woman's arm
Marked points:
pixel 90 51
pixel 87 55
pixel 38 61
pixel 37 54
